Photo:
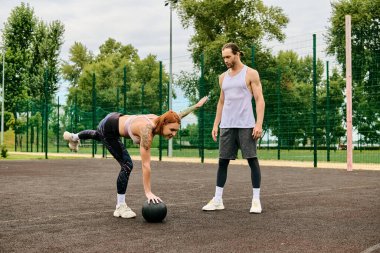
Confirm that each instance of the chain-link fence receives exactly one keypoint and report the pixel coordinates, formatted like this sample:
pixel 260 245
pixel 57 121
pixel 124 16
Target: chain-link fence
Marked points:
pixel 305 116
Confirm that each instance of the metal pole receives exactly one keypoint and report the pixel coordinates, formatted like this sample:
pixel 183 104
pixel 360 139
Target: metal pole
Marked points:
pixel 46 113
pixel 2 102
pixel 125 97
pixel 278 90
pixel 93 110
pixel 160 88
pixel 253 56
pixel 315 98
pixel 170 148
pixel 201 114
pixel 142 98
pixel 328 111
pixel 348 92
pixel 27 126
pixel 58 126
pixel 75 111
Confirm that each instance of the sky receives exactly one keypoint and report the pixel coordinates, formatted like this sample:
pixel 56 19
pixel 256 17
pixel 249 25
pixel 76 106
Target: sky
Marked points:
pixel 145 24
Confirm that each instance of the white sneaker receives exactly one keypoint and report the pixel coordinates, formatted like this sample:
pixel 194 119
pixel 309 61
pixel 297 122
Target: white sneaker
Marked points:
pixel 124 211
pixel 256 206
pixel 213 205
pixel 73 145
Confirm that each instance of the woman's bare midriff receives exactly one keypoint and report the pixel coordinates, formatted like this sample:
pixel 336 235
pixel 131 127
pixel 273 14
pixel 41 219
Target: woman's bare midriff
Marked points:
pixel 136 124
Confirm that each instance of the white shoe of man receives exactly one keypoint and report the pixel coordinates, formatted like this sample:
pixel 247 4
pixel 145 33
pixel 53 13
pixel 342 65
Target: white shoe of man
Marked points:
pixel 123 211
pixel 256 206
pixel 73 145
pixel 214 205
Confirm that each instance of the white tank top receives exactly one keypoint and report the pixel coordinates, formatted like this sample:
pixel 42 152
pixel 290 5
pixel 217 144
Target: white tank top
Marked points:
pixel 237 109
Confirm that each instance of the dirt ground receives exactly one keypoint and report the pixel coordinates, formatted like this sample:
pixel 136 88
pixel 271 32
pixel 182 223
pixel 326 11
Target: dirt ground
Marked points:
pixel 67 206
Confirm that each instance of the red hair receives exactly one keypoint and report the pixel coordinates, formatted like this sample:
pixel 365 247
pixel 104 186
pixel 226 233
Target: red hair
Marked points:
pixel 166 118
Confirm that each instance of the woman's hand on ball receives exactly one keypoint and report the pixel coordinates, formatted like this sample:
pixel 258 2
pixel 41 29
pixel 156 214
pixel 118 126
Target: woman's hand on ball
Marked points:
pixel 152 198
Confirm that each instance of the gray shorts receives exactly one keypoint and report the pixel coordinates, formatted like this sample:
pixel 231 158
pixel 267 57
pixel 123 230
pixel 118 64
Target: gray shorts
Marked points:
pixel 231 139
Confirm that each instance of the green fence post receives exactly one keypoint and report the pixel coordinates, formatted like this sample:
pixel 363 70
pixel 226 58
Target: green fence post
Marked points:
pixel 71 118
pixel 160 99
pixel 125 97
pixel 253 56
pixel 46 113
pixel 315 98
pixel 93 110
pixel 27 126
pixel 327 111
pixel 15 114
pixel 42 126
pixel 38 136
pixel 76 112
pixel 58 125
pixel 31 137
pixel 278 90
pixel 117 98
pixel 142 98
pixel 201 113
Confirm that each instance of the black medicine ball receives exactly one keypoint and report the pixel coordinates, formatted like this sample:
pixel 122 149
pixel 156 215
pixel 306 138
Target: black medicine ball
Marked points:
pixel 154 212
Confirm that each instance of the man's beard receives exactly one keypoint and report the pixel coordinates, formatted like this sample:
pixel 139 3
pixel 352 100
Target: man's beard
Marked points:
pixel 231 65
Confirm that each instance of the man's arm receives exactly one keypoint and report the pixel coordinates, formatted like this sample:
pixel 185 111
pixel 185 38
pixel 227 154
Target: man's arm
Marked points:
pixel 257 91
pixel 219 109
pixel 190 109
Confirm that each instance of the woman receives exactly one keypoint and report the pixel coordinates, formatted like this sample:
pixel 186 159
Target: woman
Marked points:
pixel 141 129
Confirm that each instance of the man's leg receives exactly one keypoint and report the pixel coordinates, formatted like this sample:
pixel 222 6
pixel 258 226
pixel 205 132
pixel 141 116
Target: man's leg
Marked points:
pixel 228 148
pixel 256 182
pixel 216 203
pixel 221 178
pixel 249 152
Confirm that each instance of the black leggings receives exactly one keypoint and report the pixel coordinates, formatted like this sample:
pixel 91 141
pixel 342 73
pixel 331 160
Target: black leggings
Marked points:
pixel 108 134
pixel 221 176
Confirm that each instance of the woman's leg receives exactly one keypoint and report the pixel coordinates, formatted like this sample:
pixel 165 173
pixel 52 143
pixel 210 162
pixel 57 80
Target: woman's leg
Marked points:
pixel 118 151
pixel 89 135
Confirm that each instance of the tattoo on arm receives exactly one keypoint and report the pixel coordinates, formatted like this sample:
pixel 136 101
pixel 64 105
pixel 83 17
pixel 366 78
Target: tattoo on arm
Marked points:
pixel 187 111
pixel 145 137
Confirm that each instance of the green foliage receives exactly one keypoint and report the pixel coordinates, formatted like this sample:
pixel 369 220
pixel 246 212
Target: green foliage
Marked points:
pixel 244 22
pixel 18 37
pixel 8 119
pixel 31 48
pixel 79 57
pixel 142 76
pixel 4 151
pixel 365 59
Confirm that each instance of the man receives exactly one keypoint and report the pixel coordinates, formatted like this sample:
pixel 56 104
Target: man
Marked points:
pixel 238 128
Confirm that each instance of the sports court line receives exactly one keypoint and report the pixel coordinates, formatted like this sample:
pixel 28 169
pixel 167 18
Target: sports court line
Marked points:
pixel 371 249
pixel 200 202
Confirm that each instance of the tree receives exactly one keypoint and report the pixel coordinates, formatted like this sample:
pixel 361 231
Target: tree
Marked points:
pixel 32 46
pixel 108 67
pixel 47 43
pixel 365 60
pixel 79 56
pixel 292 124
pixel 18 39
pixel 216 22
